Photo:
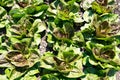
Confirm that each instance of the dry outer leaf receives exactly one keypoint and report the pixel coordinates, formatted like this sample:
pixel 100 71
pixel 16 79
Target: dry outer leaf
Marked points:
pixel 17 59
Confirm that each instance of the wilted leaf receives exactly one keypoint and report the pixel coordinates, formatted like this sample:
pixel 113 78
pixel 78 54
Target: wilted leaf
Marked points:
pixel 100 9
pixel 60 34
pixel 104 55
pixel 3 61
pixel 102 29
pixel 19 46
pixel 102 2
pixel 77 70
pixel 17 59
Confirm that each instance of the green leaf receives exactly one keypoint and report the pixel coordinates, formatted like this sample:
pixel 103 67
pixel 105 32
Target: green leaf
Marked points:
pixel 37 39
pixel 42 7
pixel 17 13
pixel 37 2
pixel 30 9
pixel 33 57
pixel 47 61
pixel 63 14
pixel 91 77
pixel 109 17
pixel 7 3
pixel 14 40
pixel 78 37
pixel 78 18
pixel 4 23
pixel 88 15
pixel 30 75
pixel 49 77
pixel 87 4
pixel 3 77
pixel 39 25
pixel 3 13
pixel 13 74
pixel 50 38
pixel 51 12
pixel 73 6
pixel 8 72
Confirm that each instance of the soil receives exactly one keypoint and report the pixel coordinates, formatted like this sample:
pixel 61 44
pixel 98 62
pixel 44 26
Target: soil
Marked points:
pixel 117 10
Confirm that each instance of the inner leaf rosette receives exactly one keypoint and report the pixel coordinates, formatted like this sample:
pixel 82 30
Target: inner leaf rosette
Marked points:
pixel 103 55
pixel 105 28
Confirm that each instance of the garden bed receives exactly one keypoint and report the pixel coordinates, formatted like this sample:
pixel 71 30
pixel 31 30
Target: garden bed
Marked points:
pixel 59 40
